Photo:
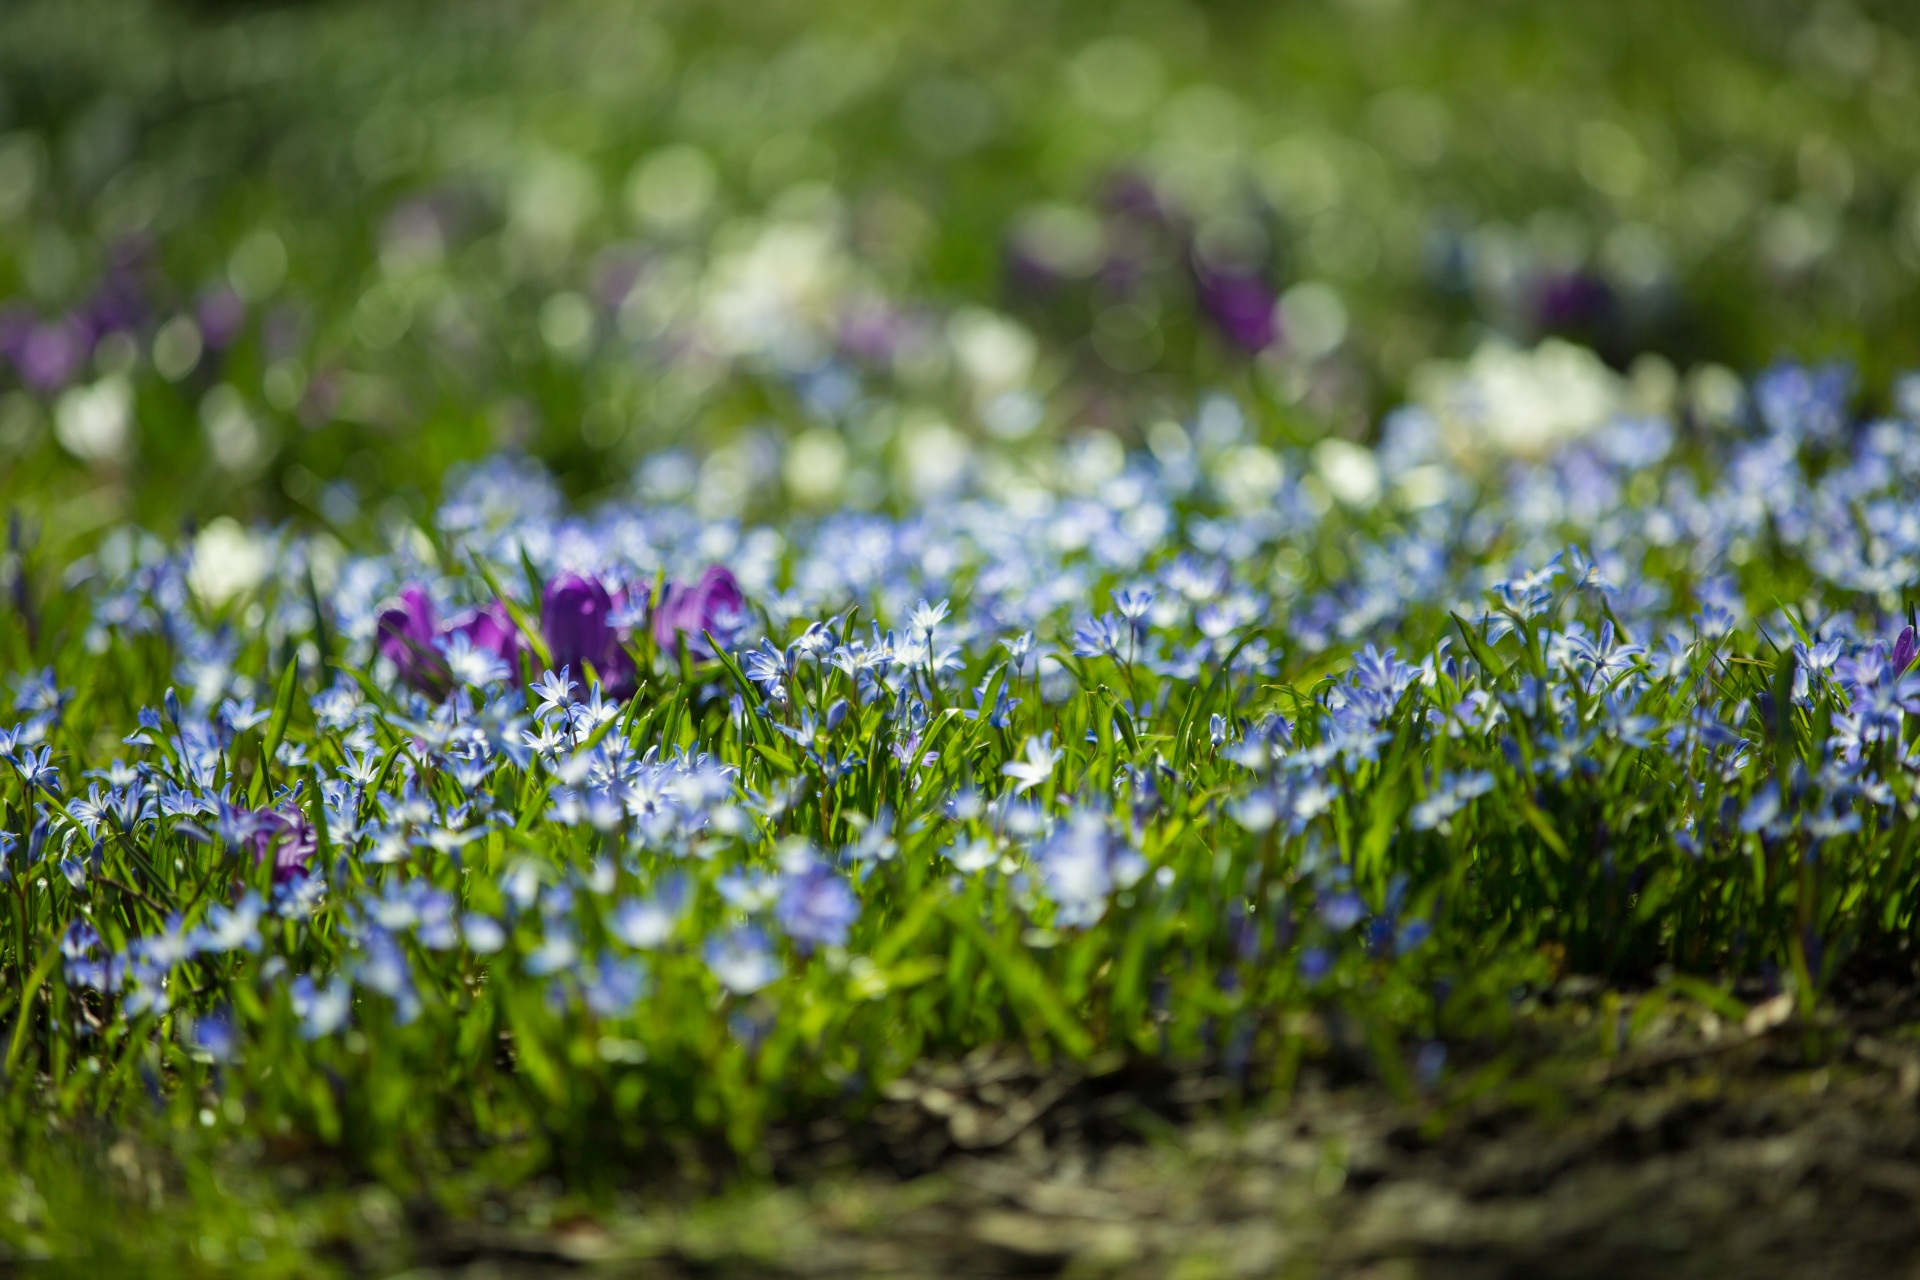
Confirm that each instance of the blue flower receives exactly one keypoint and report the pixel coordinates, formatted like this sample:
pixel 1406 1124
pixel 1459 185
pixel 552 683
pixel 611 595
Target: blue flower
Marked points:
pixel 233 928
pixel 1315 963
pixel 557 951
pixel 1082 863
pixel 613 986
pixel 1449 798
pixel 38 772
pixel 383 968
pixel 645 924
pixel 815 907
pixel 742 959
pixel 1341 909
pixel 483 934
pixel 321 1010
pixel 214 1035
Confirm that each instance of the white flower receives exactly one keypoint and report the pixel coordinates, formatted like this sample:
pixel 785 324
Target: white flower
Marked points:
pixel 1038 765
pixel 973 855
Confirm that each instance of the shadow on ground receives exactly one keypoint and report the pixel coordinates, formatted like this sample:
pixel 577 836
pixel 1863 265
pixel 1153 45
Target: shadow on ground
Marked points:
pixel 1775 1148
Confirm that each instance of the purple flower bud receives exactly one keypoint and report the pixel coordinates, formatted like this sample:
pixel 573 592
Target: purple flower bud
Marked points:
pixel 575 613
pixel 406 634
pixel 1905 648
pixel 713 604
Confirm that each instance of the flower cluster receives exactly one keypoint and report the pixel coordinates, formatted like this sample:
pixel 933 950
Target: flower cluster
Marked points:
pixel 1140 756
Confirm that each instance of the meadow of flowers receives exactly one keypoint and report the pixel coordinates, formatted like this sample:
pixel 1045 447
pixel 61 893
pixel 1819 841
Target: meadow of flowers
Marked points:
pixel 586 831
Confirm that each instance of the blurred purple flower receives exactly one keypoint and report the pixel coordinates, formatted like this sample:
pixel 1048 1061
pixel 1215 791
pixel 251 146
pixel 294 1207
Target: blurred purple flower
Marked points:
pixel 1130 193
pixel 47 353
pixel 576 614
pixel 288 834
pixel 712 605
pixel 221 314
pixel 116 304
pixel 407 630
pixel 1577 302
pixel 410 636
pixel 573 613
pixel 869 331
pixel 1241 306
pixel 490 628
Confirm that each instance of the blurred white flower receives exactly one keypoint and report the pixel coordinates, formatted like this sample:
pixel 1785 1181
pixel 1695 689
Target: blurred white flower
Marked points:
pixel 1504 400
pixel 227 560
pixel 96 422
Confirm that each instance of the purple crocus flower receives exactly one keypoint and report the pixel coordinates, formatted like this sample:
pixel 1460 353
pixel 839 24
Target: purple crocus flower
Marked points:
pixel 1241 306
pixel 1573 301
pixel 575 614
pixel 714 604
pixel 1905 648
pixel 411 634
pixel 407 630
pixel 491 628
pixel 291 837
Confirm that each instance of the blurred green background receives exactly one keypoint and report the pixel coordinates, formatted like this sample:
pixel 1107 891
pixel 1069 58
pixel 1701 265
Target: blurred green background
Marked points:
pixel 293 261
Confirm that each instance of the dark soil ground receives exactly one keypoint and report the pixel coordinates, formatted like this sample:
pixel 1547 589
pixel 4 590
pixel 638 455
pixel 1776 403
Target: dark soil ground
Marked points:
pixel 1779 1146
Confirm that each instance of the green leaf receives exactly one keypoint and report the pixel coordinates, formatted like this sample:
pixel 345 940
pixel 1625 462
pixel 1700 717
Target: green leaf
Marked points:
pixel 27 992
pixel 528 625
pixel 282 707
pixel 777 759
pixel 1540 822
